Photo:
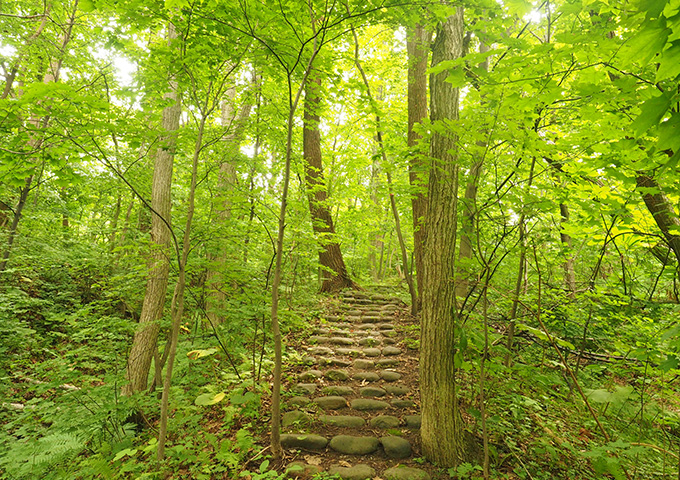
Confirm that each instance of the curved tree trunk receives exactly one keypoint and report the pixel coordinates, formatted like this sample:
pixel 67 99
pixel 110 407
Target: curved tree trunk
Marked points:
pixel 442 432
pixel 144 342
pixel 334 275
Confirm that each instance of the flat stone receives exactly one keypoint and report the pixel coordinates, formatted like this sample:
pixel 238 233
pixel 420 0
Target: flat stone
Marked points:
pixel 352 352
pixel 320 351
pixel 385 326
pixel 339 390
pixel 342 420
pixel 389 333
pixel 306 441
pixel 308 388
pixel 365 404
pixel 354 312
pixel 371 352
pixel 357 472
pixel 402 403
pixel 362 364
pixel 396 447
pixel 310 375
pixel 365 326
pixel 309 360
pixel 372 392
pixel 384 421
pixel 413 421
pixel 397 389
pixel 334 318
pixel 350 445
pixel 321 331
pixel 391 351
pixel 318 339
pixel 324 361
pixel 297 469
pixel 389 375
pixel 338 375
pixel 405 473
pixel 369 341
pixel 342 333
pixel 299 400
pixel 331 403
pixel 339 362
pixel 371 318
pixel 296 416
pixel 389 341
pixel 353 318
pixel 387 362
pixel 341 341
pixel 367 376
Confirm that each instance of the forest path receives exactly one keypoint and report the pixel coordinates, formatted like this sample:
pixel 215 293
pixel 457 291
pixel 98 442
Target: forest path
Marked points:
pixel 352 407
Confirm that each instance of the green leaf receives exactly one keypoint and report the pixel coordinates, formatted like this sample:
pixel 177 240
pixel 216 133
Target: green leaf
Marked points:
pixel 647 43
pixel 126 452
pixel 652 111
pixel 669 64
pixel 209 398
pixel 87 5
pixel 196 354
pixel 670 363
pixel 669 133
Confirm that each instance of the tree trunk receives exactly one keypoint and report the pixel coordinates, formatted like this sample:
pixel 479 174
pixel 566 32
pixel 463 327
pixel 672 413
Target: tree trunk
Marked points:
pixel 144 342
pixel 334 275
pixel 442 432
pixel 225 185
pixel 569 274
pixel 417 45
pixel 390 188
pixel 662 210
pixel 36 138
pixel 468 231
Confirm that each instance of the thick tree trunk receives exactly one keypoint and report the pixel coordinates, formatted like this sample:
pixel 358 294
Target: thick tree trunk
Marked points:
pixel 144 342
pixel 442 432
pixel 418 46
pixel 334 275
pixel 662 210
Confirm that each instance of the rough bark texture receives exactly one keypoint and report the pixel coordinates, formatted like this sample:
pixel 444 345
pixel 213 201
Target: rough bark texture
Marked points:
pixel 442 433
pixel 144 342
pixel 334 275
pixel 662 210
pixel 418 47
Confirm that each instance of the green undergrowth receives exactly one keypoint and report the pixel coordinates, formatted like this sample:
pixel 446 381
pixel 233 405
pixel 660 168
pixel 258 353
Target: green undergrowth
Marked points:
pixel 65 335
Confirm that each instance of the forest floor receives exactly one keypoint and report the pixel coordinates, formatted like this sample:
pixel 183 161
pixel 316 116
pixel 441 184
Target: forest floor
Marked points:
pixel 351 405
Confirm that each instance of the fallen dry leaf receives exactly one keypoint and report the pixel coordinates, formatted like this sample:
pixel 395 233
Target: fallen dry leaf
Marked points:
pixel 344 463
pixel 313 460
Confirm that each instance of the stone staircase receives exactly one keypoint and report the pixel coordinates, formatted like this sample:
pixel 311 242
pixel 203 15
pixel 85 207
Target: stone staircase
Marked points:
pixel 352 406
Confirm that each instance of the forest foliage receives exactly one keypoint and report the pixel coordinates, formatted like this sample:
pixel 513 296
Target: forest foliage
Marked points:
pixel 569 115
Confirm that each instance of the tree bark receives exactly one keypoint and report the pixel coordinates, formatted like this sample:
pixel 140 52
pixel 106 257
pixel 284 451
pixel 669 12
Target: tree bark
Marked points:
pixel 334 274
pixel 417 46
pixel 442 432
pixel 158 269
pixel 661 209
